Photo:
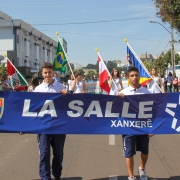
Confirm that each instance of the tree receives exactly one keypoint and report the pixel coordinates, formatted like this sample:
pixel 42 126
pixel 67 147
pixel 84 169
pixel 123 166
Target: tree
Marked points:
pixel 72 67
pixel 3 70
pixel 169 11
pixel 110 65
pixel 79 70
pixel 91 73
pixel 91 66
pixel 162 62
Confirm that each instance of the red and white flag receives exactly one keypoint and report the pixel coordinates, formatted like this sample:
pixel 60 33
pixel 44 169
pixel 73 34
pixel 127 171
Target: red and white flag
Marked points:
pixel 103 76
pixel 17 82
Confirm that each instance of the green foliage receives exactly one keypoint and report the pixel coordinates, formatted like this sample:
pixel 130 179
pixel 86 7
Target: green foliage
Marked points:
pixel 110 65
pixel 161 63
pixel 91 66
pixel 90 74
pixel 169 11
pixel 3 70
pixel 77 70
pixel 72 67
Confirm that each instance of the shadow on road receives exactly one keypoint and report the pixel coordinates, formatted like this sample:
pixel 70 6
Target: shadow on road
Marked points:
pixel 150 178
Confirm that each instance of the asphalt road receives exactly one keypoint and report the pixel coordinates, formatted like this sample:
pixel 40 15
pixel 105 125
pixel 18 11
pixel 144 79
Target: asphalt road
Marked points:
pixel 89 157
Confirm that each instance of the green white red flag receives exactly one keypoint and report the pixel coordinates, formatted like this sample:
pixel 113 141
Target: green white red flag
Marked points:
pixel 18 82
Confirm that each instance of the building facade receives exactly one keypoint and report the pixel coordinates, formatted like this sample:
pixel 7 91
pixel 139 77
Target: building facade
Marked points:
pixel 25 46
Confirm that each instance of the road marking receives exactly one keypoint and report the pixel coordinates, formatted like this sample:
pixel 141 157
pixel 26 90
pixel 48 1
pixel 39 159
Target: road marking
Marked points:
pixel 112 140
pixel 113 177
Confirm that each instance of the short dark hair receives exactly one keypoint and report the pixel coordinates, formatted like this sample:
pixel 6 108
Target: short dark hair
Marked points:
pixel 78 74
pixel 132 68
pixel 47 65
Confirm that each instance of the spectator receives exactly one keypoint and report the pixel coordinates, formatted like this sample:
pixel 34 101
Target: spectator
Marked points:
pixel 117 87
pixel 169 82
pixel 155 85
pixel 71 78
pixel 56 78
pixel 175 83
pixel 77 85
pixel 1 84
pixel 34 83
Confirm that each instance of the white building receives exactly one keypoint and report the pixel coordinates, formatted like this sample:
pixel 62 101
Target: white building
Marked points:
pixel 25 46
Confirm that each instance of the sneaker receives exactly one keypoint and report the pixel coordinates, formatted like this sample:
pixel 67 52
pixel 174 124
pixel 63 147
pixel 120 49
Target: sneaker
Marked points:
pixel 131 178
pixel 142 174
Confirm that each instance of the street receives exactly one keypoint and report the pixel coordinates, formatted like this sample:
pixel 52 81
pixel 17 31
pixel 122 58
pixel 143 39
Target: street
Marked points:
pixel 88 157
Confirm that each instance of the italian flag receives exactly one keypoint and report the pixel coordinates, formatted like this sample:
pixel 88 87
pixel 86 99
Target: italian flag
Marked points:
pixel 18 82
pixel 103 76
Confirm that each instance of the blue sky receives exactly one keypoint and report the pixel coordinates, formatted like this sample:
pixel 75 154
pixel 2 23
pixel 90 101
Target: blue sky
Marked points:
pixel 86 24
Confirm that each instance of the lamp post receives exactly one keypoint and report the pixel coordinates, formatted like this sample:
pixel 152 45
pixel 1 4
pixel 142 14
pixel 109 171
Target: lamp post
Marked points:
pixel 172 43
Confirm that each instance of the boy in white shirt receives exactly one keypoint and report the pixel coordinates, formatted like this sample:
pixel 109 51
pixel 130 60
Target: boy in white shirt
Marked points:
pixel 56 141
pixel 131 143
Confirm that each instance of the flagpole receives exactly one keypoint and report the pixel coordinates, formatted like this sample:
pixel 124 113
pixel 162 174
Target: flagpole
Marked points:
pixel 141 63
pixel 17 70
pixel 106 67
pixel 57 34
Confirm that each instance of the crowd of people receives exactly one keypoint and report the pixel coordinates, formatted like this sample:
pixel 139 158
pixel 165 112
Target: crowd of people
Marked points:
pixel 170 83
pixel 76 84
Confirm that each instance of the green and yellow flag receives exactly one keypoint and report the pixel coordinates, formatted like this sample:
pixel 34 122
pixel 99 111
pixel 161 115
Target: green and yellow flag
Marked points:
pixel 60 60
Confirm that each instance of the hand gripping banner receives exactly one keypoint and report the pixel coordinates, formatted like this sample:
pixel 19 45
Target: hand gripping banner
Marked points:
pixel 53 113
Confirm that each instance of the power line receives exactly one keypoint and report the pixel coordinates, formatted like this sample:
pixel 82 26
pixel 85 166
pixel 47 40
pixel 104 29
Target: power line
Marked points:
pixel 92 22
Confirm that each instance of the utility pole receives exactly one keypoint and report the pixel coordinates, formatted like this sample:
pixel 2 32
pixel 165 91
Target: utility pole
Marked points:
pixel 172 44
pixel 172 50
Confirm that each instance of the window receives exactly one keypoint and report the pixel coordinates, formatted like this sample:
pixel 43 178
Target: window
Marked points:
pixel 17 39
pixel 25 39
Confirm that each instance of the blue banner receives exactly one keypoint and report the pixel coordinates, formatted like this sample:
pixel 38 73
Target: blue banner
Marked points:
pixel 53 113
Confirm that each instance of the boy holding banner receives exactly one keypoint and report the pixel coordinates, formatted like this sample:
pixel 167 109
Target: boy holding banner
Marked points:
pixel 131 143
pixel 56 141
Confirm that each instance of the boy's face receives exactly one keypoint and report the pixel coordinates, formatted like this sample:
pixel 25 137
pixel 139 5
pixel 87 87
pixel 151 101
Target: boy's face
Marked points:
pixel 47 74
pixel 134 78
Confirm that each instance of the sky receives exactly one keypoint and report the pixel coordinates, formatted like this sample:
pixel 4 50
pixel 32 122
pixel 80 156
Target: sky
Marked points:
pixel 86 24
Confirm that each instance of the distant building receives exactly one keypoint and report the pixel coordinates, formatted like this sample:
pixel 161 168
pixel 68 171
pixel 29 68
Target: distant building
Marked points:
pixel 25 46
pixel 148 57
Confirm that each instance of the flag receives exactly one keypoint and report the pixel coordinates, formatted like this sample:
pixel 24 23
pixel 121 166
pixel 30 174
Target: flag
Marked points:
pixel 17 82
pixel 133 61
pixel 60 60
pixel 103 76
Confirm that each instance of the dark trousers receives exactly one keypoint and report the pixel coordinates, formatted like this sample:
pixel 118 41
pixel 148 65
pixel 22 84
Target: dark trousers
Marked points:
pixel 56 141
pixel 175 87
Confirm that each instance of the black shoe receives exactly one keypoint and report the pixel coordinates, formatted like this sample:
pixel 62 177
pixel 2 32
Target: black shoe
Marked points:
pixel 57 178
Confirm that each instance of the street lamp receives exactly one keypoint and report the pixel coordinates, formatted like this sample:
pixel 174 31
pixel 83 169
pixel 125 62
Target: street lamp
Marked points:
pixel 172 43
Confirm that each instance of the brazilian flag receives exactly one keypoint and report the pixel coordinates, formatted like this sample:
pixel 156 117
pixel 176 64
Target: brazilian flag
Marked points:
pixel 60 60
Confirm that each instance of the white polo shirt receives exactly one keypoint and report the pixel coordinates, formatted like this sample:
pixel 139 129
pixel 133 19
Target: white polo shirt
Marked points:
pixel 52 88
pixel 132 91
